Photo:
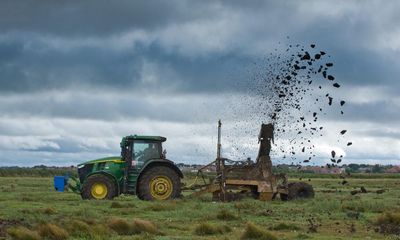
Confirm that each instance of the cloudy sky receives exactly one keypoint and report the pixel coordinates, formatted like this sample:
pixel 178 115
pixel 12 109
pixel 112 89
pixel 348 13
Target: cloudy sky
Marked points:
pixel 76 76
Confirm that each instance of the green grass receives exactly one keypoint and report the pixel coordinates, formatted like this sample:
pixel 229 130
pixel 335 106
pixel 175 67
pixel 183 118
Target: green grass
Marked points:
pixel 31 209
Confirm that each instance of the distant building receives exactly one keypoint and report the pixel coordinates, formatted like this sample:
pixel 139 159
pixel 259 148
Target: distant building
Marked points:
pixel 394 169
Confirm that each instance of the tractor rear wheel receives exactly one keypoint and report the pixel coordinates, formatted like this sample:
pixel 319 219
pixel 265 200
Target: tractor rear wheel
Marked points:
pixel 99 187
pixel 300 190
pixel 159 183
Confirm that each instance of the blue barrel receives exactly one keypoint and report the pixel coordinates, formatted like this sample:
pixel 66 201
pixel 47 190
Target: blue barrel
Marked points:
pixel 59 183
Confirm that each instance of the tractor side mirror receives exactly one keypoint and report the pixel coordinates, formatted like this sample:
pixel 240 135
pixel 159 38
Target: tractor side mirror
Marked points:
pixel 164 154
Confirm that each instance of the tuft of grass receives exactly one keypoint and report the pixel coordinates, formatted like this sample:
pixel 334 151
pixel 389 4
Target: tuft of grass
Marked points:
pixel 389 223
pixel 284 226
pixel 158 207
pixel 23 233
pixel 117 205
pixel 79 228
pixel 244 206
pixel 121 205
pixel 226 215
pixel 204 229
pixel 47 211
pixel 254 232
pixel 120 226
pixel 100 232
pixel 144 226
pixel 302 236
pixel 52 231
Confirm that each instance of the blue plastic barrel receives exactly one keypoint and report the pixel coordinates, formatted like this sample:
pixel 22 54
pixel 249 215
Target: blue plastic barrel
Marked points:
pixel 60 183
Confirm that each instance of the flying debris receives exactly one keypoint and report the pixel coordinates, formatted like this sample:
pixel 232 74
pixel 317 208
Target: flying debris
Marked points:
pixel 288 83
pixel 333 154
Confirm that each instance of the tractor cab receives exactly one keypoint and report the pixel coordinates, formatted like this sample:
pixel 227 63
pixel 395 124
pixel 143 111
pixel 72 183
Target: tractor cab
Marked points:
pixel 137 150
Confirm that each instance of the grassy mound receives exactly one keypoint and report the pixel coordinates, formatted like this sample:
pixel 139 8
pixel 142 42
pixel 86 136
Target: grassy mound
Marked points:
pixel 389 223
pixel 51 231
pixel 254 232
pixel 22 233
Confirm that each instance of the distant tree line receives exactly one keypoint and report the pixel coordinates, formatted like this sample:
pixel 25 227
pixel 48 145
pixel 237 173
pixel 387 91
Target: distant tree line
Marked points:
pixel 37 171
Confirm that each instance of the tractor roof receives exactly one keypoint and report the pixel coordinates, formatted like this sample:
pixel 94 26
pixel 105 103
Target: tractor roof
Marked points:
pixel 141 137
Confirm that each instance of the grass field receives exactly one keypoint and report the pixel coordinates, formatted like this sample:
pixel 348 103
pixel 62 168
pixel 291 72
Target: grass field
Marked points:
pixel 31 209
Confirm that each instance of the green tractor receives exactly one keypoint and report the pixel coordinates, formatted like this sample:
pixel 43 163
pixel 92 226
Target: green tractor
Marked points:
pixel 142 170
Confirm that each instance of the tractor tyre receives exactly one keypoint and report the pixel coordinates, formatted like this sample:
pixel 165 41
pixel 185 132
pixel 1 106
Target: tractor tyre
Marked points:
pixel 300 190
pixel 159 183
pixel 283 196
pixel 99 187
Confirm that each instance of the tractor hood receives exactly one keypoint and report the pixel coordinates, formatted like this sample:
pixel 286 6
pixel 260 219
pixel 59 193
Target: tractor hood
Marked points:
pixel 106 159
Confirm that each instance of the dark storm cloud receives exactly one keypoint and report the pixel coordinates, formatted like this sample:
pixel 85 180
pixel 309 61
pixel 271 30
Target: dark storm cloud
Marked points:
pixel 89 17
pixel 39 68
pixel 29 63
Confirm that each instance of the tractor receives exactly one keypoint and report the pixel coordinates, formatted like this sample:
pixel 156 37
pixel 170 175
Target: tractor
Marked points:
pixel 142 170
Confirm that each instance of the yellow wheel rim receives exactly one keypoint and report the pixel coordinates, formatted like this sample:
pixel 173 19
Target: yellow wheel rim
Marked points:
pixel 161 187
pixel 99 190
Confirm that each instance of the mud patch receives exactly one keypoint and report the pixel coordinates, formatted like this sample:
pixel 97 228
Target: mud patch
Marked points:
pixel 4 224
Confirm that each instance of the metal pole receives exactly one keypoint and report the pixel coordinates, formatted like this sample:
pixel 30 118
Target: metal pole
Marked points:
pixel 220 165
pixel 219 140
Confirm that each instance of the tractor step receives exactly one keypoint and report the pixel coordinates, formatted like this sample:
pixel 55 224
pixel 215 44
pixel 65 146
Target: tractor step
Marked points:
pixel 133 175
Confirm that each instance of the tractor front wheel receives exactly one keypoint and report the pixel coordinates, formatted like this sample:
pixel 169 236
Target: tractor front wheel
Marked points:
pixel 159 183
pixel 98 187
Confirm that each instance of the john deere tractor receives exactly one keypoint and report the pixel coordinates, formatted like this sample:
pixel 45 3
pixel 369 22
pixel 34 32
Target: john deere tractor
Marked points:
pixel 142 170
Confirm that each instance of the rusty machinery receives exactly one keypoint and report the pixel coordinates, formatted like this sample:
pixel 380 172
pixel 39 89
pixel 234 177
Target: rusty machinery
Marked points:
pixel 235 178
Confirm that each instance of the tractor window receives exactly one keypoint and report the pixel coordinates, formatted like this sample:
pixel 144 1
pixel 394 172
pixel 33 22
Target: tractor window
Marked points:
pixel 143 151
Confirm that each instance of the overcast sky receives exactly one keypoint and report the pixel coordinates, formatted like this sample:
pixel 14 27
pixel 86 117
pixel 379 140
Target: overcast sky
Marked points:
pixel 76 76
